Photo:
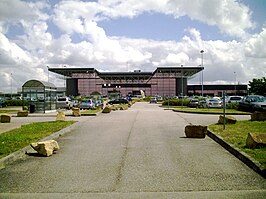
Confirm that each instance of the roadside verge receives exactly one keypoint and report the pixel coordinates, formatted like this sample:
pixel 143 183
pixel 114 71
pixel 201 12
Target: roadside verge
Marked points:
pixel 22 153
pixel 246 159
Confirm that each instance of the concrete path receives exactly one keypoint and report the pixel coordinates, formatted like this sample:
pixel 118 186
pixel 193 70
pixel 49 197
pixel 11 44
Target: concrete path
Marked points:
pixel 138 153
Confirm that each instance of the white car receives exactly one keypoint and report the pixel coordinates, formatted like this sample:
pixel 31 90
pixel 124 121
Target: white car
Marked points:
pixel 214 103
pixel 234 99
pixel 64 103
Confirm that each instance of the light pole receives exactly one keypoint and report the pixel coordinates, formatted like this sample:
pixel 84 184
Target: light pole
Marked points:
pixel 182 89
pixel 11 83
pixel 48 72
pixel 201 52
pixel 235 81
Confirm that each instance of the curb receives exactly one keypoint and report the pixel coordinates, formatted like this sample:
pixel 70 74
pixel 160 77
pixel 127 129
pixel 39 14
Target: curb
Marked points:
pixel 246 159
pixel 211 113
pixel 21 153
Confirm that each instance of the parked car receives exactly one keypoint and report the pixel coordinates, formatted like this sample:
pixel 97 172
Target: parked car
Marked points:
pixel 64 103
pixel 119 101
pixel 159 98
pixel 153 100
pixel 75 103
pixel 214 103
pixel 193 103
pixel 253 103
pixel 234 99
pixel 2 102
pixel 98 103
pixel 87 104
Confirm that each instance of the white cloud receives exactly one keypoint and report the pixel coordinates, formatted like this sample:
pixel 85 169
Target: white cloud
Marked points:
pixel 26 56
pixel 255 46
pixel 231 17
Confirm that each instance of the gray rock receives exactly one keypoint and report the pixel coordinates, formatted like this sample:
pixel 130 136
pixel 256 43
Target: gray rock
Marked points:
pixel 23 113
pixel 107 109
pixel 256 140
pixel 5 118
pixel 45 148
pixel 228 119
pixel 76 112
pixel 60 116
pixel 195 131
pixel 258 116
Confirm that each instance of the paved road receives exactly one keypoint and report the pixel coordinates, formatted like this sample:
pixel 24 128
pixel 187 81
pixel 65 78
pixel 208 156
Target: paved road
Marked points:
pixel 138 153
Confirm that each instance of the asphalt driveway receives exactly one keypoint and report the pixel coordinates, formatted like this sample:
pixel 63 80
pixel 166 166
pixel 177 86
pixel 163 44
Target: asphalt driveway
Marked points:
pixel 138 153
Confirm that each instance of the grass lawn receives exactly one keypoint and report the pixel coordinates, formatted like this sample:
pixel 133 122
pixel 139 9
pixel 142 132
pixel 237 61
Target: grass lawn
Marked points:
pixel 236 134
pixel 16 139
pixel 208 110
pixel 90 111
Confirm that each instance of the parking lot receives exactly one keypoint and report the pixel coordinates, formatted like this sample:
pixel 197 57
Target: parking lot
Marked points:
pixel 137 153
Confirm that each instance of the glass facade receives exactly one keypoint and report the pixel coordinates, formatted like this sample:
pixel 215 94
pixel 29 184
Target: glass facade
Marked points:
pixel 40 95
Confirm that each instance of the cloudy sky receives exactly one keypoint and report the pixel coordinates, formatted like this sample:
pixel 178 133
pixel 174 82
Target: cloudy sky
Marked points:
pixel 123 35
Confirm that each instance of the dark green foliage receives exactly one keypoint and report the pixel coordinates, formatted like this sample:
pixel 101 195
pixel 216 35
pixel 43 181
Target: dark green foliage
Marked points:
pixel 233 105
pixel 258 86
pixel 16 102
pixel 175 102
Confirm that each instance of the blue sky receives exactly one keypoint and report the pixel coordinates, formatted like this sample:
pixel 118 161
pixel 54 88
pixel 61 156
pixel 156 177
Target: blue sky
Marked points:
pixel 114 35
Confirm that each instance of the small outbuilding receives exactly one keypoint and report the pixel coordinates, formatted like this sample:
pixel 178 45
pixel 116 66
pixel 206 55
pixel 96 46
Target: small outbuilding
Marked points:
pixel 41 96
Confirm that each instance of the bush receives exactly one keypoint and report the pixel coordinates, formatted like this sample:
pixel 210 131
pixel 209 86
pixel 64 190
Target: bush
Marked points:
pixel 16 102
pixel 233 105
pixel 176 102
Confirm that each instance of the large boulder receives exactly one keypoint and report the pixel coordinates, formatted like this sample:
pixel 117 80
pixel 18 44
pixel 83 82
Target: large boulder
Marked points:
pixel 256 140
pixel 195 131
pixel 5 118
pixel 76 112
pixel 228 119
pixel 45 148
pixel 107 109
pixel 258 116
pixel 60 116
pixel 22 113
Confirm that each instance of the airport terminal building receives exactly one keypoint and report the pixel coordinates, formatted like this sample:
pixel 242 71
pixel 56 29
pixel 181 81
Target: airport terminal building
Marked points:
pixel 164 81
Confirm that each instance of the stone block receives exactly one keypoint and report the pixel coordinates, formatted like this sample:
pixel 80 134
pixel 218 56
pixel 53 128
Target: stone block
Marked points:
pixel 60 116
pixel 258 116
pixel 195 131
pixel 107 109
pixel 45 148
pixel 22 113
pixel 228 119
pixel 256 140
pixel 5 118
pixel 76 112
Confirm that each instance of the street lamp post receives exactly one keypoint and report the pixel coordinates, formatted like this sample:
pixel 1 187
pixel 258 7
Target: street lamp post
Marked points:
pixel 182 85
pixel 11 84
pixel 201 52
pixel 48 72
pixel 235 81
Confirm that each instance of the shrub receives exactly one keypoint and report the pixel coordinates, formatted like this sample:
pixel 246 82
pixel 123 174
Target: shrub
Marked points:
pixel 233 105
pixel 176 102
pixel 16 102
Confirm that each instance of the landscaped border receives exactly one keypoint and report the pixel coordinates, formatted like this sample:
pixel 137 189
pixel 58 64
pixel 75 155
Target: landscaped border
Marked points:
pixel 249 161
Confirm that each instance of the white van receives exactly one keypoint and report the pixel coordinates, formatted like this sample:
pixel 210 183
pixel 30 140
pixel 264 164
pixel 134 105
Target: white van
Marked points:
pixel 64 103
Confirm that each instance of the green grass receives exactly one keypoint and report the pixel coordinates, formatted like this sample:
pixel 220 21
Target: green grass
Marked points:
pixel 16 139
pixel 236 134
pixel 90 111
pixel 207 110
pixel 8 111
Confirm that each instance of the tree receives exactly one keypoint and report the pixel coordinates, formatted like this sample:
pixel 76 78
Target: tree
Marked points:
pixel 258 86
